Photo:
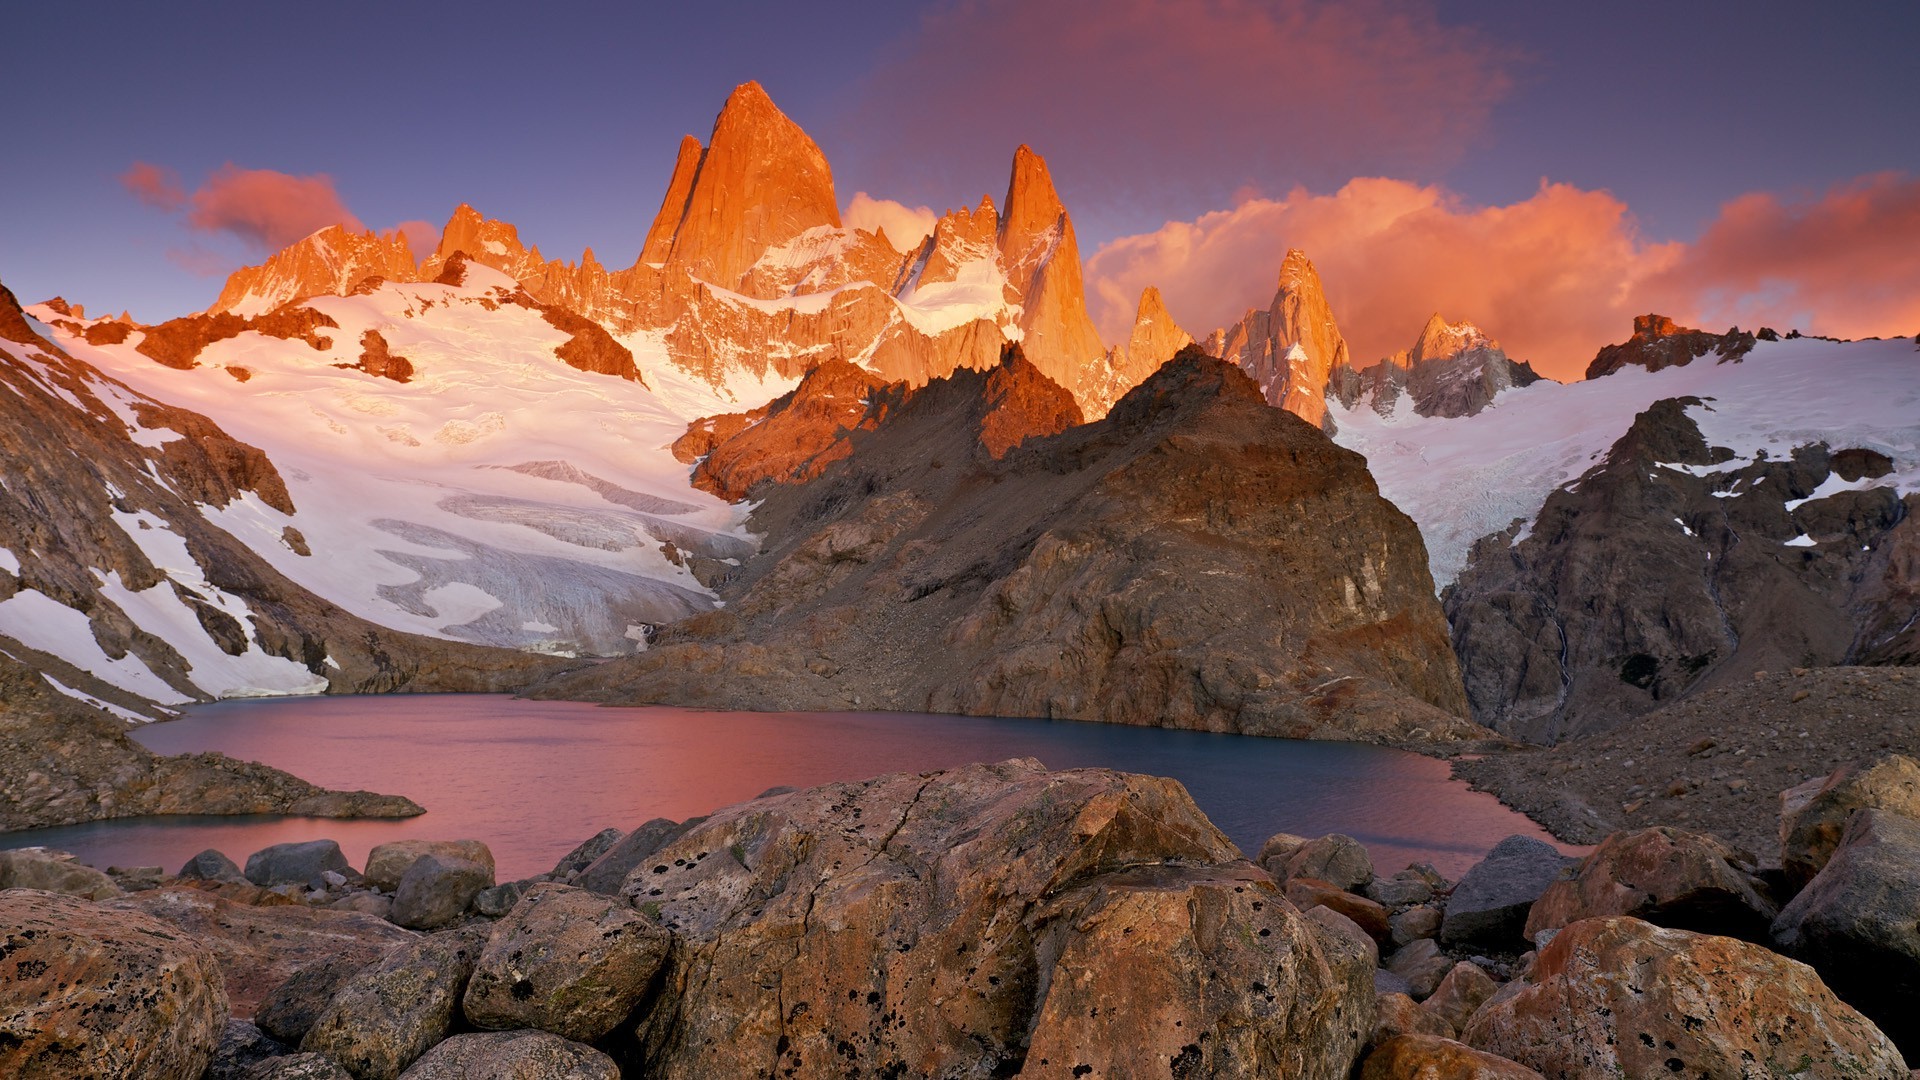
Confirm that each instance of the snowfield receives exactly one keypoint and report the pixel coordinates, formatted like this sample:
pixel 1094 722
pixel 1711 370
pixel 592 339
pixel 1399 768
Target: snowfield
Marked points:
pixel 1464 478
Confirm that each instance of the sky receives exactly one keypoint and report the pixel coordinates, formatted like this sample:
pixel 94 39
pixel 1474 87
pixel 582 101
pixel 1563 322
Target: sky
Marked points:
pixel 1544 170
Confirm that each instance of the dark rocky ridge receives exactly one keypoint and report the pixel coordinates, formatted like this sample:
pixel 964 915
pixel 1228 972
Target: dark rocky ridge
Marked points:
pixel 1452 370
pixel 1643 581
pixel 1197 559
pixel 1658 342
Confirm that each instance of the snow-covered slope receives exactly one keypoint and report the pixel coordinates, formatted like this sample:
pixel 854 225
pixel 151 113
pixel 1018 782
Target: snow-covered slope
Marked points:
pixel 498 496
pixel 1464 478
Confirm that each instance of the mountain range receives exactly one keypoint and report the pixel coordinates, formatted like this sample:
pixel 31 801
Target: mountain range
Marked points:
pixel 779 462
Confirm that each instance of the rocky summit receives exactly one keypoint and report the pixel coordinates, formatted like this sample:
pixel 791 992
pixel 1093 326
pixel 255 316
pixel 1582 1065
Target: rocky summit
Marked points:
pixel 1196 559
pixel 1291 348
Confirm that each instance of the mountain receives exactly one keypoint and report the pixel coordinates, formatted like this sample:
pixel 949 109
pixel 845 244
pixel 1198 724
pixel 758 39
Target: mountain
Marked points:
pixel 1195 559
pixel 124 577
pixel 1453 369
pixel 1658 342
pixel 329 262
pixel 1292 348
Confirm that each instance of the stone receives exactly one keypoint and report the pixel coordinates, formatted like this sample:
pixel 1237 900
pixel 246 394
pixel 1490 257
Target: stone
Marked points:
pixel 90 992
pixel 1397 1014
pixel 388 863
pixel 606 874
pixel 294 864
pixel 1616 996
pixel 1398 892
pixel 1421 1056
pixel 369 903
pixel 1814 814
pixel 241 1047
pixel 565 960
pixel 1276 851
pixel 390 1012
pixel 972 920
pixel 1306 893
pixel 1386 982
pixel 500 899
pixel 584 855
pixel 1326 920
pixel 291 1008
pixel 1858 922
pixel 303 1066
pixel 1335 858
pixel 1666 876
pixel 1414 923
pixel 53 871
pixel 1466 988
pixel 1422 965
pixel 257 948
pixel 211 865
pixel 137 878
pixel 1489 907
pixel 436 890
pixel 513 1055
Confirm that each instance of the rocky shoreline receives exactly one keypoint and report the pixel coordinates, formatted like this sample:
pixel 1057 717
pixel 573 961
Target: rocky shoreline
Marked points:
pixel 988 920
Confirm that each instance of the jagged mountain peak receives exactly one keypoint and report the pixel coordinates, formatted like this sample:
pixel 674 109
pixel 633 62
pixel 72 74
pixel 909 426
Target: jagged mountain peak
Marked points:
pixel 1033 206
pixel 329 260
pixel 1293 346
pixel 1440 339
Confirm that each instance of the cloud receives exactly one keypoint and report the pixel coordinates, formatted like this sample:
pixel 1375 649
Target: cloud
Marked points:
pixel 1845 264
pixel 905 225
pixel 1171 106
pixel 266 208
pixel 1552 277
pixel 154 185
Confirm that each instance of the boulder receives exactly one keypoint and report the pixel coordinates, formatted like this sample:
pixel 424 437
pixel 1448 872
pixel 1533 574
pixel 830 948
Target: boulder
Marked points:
pixel 1422 965
pixel 1402 890
pixel 1306 893
pixel 1814 814
pixel 436 890
pixel 1858 923
pixel 1419 1056
pixel 1397 1014
pixel 241 1047
pixel 1277 850
pixel 583 856
pixel 137 878
pixel 90 992
pixel 258 948
pixel 367 903
pixel 1620 997
pixel 289 1011
pixel 389 862
pixel 1413 924
pixel 567 961
pixel 294 864
pixel 393 1010
pixel 298 1067
pixel 608 872
pixel 1466 988
pixel 497 901
pixel 1334 858
pixel 53 871
pixel 1326 920
pixel 971 921
pixel 513 1055
pixel 1667 877
pixel 1488 909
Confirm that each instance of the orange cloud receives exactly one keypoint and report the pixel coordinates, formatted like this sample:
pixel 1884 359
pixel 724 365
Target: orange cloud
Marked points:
pixel 1552 277
pixel 905 225
pixel 267 208
pixel 155 185
pixel 1158 103
pixel 1846 264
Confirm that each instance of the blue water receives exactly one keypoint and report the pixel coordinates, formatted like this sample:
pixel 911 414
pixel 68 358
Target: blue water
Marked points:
pixel 534 778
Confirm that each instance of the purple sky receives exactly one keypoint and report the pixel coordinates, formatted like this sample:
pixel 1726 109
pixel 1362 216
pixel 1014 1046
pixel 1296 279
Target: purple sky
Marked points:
pixel 565 122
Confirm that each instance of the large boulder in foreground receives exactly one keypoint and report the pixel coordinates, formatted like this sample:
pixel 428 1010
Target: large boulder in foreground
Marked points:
pixel 296 863
pixel 1665 876
pixel 392 1011
pixel 53 871
pixel 565 960
pixel 258 948
pixel 938 924
pixel 1619 997
pixel 1101 573
pixel 1814 814
pixel 1489 907
pixel 87 992
pixel 389 862
pixel 1858 922
pixel 436 890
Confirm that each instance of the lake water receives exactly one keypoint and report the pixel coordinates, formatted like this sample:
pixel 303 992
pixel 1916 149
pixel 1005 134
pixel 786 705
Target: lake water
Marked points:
pixel 534 778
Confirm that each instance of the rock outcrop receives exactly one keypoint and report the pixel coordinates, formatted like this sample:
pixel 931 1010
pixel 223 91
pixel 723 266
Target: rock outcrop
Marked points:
pixel 1098 574
pixel 1293 347
pixel 1664 876
pixel 1453 369
pixel 1814 815
pixel 1042 261
pixel 1668 569
pixel 1658 342
pixel 329 262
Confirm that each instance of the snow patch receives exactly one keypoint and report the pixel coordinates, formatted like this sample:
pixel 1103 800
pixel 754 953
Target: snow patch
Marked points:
pixel 41 622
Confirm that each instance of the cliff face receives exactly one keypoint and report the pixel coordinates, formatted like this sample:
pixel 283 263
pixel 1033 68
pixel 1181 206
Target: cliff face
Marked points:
pixel 1658 342
pixel 1670 568
pixel 1292 347
pixel 331 261
pixel 1196 559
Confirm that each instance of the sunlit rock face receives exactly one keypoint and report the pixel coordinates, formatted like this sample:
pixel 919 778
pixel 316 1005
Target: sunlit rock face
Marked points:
pixel 1292 347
